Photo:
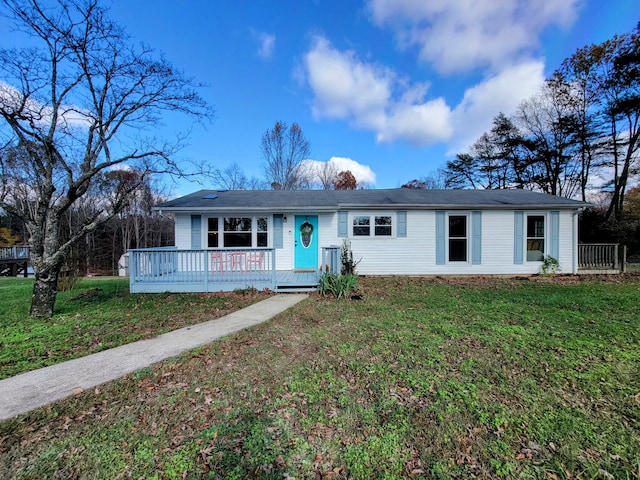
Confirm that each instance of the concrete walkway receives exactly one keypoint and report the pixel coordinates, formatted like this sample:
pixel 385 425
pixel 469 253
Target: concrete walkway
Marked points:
pixel 30 390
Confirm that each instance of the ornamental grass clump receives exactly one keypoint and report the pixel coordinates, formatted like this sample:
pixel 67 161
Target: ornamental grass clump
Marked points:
pixel 337 285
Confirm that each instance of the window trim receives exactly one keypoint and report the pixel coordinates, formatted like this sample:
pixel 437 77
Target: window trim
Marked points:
pixel 216 232
pixel 449 238
pixel 543 238
pixel 372 226
pixel 377 226
pixel 361 226
pixel 254 231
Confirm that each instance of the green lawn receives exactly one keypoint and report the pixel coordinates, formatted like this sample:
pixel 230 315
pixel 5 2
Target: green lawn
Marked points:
pixel 420 378
pixel 99 313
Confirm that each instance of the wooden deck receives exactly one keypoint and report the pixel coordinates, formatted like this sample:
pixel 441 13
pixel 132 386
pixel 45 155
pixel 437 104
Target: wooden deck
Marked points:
pixel 292 281
pixel 172 270
pixel 14 260
pixel 285 281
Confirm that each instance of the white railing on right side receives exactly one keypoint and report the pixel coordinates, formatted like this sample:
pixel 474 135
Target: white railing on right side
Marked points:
pixel 600 256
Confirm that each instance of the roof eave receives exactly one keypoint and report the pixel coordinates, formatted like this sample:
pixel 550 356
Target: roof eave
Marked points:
pixel 345 206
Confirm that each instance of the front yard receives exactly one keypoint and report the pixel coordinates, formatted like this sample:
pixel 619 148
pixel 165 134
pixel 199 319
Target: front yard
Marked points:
pixel 420 378
pixel 99 313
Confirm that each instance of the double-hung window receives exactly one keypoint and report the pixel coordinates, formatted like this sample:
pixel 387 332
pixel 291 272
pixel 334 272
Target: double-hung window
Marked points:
pixel 362 226
pixel 261 235
pixel 457 238
pixel 383 226
pixel 535 238
pixel 212 232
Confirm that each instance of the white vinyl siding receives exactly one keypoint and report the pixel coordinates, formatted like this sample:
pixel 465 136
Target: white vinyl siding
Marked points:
pixel 415 254
pixel 183 231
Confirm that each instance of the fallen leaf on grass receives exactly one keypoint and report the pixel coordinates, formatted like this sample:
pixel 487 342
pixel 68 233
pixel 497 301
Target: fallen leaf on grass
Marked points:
pixel 78 390
pixel 605 474
pixel 67 423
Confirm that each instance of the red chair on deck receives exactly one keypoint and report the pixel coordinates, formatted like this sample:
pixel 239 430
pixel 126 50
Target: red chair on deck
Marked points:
pixel 255 258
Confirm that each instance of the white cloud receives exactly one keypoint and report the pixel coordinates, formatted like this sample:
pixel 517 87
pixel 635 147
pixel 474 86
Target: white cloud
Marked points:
pixel 418 124
pixel 267 44
pixel 69 116
pixel 345 87
pixel 372 97
pixel 502 92
pixel 461 35
pixel 362 173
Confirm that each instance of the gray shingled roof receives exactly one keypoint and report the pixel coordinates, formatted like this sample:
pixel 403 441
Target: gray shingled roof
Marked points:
pixel 324 200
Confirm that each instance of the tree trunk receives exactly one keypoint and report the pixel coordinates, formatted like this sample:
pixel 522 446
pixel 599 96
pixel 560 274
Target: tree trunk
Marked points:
pixel 45 290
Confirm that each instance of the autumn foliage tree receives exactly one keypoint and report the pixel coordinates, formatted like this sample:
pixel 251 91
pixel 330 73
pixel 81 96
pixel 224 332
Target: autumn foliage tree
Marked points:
pixel 8 238
pixel 345 181
pixel 75 105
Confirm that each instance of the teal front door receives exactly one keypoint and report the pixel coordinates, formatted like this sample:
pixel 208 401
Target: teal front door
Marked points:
pixel 305 242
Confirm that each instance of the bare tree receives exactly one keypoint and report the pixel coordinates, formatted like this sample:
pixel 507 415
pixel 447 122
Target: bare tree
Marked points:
pixel 545 120
pixel 230 178
pixel 326 174
pixel 234 178
pixel 285 150
pixel 72 107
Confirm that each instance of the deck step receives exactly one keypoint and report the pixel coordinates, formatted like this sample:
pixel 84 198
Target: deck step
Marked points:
pixel 296 288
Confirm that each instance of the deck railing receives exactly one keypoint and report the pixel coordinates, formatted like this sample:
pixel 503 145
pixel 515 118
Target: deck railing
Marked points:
pixel 202 270
pixel 599 256
pixel 15 253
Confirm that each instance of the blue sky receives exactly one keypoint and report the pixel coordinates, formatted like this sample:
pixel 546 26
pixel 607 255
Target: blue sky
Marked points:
pixel 395 86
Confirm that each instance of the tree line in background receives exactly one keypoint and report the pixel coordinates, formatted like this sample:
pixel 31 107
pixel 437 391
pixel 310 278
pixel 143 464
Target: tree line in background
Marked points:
pixel 578 135
pixel 580 131
pixel 136 225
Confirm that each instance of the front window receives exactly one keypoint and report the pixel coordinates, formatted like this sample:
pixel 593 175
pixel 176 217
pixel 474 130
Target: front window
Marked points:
pixel 237 232
pixel 535 238
pixel 361 226
pixel 383 226
pixel 262 232
pixel 212 233
pixel 372 226
pixel 457 238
